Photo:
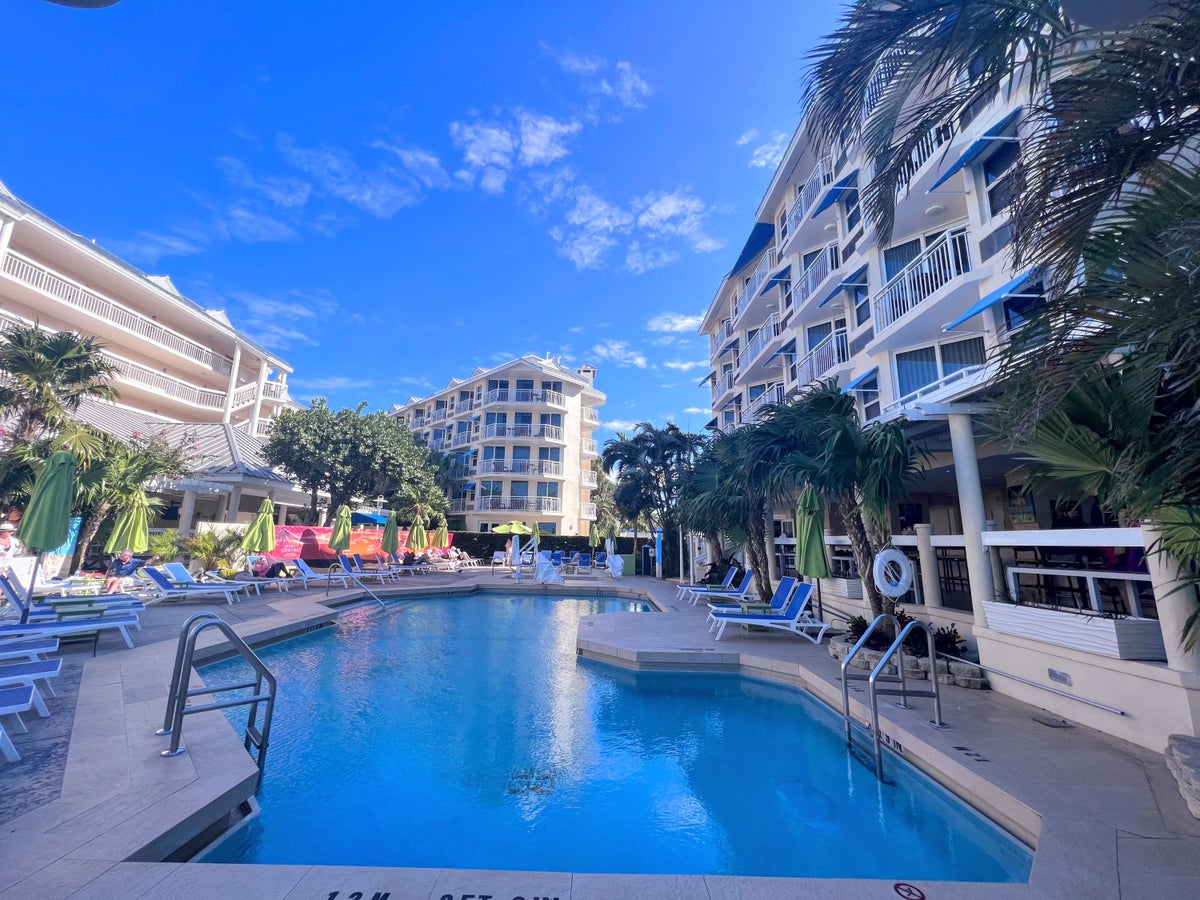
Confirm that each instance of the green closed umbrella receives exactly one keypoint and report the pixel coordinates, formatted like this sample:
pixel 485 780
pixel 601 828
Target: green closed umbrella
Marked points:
pixel 390 542
pixel 417 539
pixel 260 536
pixel 339 536
pixel 441 537
pixel 810 538
pixel 47 519
pixel 132 528
pixel 593 537
pixel 516 529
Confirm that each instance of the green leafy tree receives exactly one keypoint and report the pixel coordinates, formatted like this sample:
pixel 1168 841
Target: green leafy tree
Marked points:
pixel 45 374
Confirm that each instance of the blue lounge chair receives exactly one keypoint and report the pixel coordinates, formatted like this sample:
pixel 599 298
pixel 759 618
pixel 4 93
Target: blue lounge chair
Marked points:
pixel 31 650
pixel 15 674
pixel 74 625
pixel 726 584
pixel 783 593
pixel 585 563
pixel 354 568
pixel 230 590
pixel 725 595
pixel 795 618
pixel 601 560
pixel 13 702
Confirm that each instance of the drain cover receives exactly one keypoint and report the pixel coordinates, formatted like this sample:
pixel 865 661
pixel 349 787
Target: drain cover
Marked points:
pixel 1051 721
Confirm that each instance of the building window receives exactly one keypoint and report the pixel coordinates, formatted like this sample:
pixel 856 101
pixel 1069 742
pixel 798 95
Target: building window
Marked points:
pixel 547 527
pixel 868 395
pixel 547 489
pixel 1018 309
pixel 850 205
pixel 550 454
pixel 916 369
pixel 781 227
pixel 861 297
pixel 491 489
pixel 999 173
pixel 895 258
pixel 554 419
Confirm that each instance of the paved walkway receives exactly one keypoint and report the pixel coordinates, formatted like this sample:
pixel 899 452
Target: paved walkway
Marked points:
pixel 96 820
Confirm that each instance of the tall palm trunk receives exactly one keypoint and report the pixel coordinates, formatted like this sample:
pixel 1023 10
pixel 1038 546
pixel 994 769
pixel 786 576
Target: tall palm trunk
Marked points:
pixel 864 553
pixel 88 532
pixel 756 549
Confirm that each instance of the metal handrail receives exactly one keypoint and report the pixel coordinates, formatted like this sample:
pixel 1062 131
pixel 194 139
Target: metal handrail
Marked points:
pixel 343 572
pixel 1044 687
pixel 177 705
pixel 847 676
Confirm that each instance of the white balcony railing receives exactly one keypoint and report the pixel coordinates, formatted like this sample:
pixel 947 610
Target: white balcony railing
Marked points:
pixel 459 506
pixel 721 338
pixel 590 416
pixel 460 439
pixel 29 273
pixel 832 351
pixel 750 289
pixel 547 467
pixel 822 174
pixel 523 395
pixel 774 394
pixel 921 154
pixel 964 374
pixel 818 270
pixel 439 415
pixel 770 330
pixel 587 511
pixel 589 448
pixel 724 385
pixel 945 259
pixel 549 432
pixel 275 390
pixel 588 479
pixel 166 385
pixel 520 504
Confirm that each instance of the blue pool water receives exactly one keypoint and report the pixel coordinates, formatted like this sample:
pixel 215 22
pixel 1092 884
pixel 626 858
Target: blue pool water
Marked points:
pixel 466 733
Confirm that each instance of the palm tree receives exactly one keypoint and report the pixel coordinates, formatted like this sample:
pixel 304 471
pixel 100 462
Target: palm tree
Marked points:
pixel 115 483
pixel 44 376
pixel 860 472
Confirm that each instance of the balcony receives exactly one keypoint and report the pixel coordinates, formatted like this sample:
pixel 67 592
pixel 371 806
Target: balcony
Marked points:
pixel 944 260
pixel 588 479
pixel 520 504
pixel 774 394
pixel 587 511
pixel 462 470
pixel 922 153
pixel 750 289
pixel 439 415
pixel 820 177
pixel 28 273
pixel 816 273
pixel 168 386
pixel 523 432
pixel 721 338
pixel 770 330
pixel 461 439
pixel 547 467
pixel 588 448
pixel 590 416
pixel 440 444
pixel 523 396
pixel 722 386
pixel 460 506
pixel 832 351
pixel 276 390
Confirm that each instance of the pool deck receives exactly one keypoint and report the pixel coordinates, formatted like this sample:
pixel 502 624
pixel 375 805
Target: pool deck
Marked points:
pixel 92 813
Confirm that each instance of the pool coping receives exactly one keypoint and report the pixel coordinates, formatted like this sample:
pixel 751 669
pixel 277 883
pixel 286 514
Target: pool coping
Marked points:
pixel 122 807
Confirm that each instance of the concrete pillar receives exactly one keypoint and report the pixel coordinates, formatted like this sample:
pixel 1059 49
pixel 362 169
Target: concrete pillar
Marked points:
pixel 187 512
pixel 6 230
pixel 998 581
pixel 258 396
pixel 970 504
pixel 1176 601
pixel 281 512
pixel 931 582
pixel 772 562
pixel 227 414
pixel 234 502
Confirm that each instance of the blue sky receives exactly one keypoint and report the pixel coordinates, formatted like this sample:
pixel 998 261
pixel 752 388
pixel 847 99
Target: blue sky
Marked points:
pixel 389 194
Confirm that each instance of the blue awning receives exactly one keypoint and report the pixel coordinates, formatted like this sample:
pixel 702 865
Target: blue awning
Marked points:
pixel 711 425
pixel 760 236
pixel 858 279
pixel 711 376
pixel 789 347
pixel 859 380
pixel 359 518
pixel 1013 287
pixel 838 188
pixel 468 485
pixel 976 149
pixel 733 342
pixel 782 275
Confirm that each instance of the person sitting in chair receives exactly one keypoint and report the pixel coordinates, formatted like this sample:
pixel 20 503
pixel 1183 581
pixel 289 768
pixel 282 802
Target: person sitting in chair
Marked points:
pixel 119 569
pixel 265 567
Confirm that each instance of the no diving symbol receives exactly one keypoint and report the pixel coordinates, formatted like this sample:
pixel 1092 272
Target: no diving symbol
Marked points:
pixel 908 891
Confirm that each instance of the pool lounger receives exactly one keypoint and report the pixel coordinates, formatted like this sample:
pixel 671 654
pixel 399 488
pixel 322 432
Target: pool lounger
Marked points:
pixel 13 702
pixel 31 650
pixel 120 622
pixel 795 618
pixel 171 591
pixel 15 674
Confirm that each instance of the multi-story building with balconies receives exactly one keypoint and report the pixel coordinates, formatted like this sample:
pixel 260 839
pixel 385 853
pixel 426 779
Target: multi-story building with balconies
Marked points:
pixel 180 367
pixel 910 327
pixel 520 435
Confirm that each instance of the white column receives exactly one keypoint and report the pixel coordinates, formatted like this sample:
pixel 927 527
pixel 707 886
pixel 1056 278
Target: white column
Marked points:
pixel 931 582
pixel 281 512
pixel 1176 600
pixel 6 230
pixel 772 562
pixel 233 373
pixel 970 504
pixel 234 502
pixel 187 512
pixel 258 396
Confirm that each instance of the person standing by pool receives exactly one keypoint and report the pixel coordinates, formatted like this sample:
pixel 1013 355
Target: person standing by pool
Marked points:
pixel 10 546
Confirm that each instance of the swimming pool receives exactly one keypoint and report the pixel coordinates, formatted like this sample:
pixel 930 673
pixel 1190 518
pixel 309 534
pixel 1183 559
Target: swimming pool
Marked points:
pixel 464 732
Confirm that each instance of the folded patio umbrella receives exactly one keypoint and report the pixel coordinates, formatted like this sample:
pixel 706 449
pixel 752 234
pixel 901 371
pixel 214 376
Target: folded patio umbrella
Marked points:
pixel 417 539
pixel 132 528
pixel 47 519
pixel 390 542
pixel 339 536
pixel 441 537
pixel 810 538
pixel 260 536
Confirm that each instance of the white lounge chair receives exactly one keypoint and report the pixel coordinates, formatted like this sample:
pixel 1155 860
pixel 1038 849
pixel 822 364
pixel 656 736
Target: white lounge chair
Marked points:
pixel 727 595
pixel 13 702
pixel 31 650
pixel 308 576
pixel 795 618
pixel 15 674
pixel 121 622
pixel 230 590
pixel 725 585
pixel 783 593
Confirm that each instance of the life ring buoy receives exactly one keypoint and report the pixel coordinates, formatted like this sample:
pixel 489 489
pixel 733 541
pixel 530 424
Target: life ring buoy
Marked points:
pixel 893 573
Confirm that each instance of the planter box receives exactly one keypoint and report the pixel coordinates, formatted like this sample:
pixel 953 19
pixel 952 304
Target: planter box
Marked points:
pixel 1127 638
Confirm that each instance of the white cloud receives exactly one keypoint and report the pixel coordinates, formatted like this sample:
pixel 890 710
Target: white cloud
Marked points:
pixel 280 322
pixel 148 247
pixel 677 214
pixel 768 155
pixel 630 89
pixel 284 191
pixel 685 365
pixel 620 353
pixel 331 383
pixel 595 214
pixel 698 411
pixel 620 424
pixel 585 249
pixel 639 259
pixel 382 192
pixel 747 137
pixel 542 138
pixel 487 150
pixel 575 64
pixel 676 322
pixel 252 227
pixel 421 164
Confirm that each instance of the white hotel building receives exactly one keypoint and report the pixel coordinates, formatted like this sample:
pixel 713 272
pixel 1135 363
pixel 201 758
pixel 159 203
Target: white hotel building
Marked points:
pixel 908 327
pixel 521 438
pixel 182 369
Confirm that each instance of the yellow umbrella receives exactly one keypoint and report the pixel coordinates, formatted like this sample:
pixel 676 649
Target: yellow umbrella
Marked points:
pixel 132 528
pixel 417 539
pixel 441 537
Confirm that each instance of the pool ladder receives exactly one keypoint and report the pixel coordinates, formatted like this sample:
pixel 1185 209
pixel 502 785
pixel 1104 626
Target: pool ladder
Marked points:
pixel 177 705
pixel 877 676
